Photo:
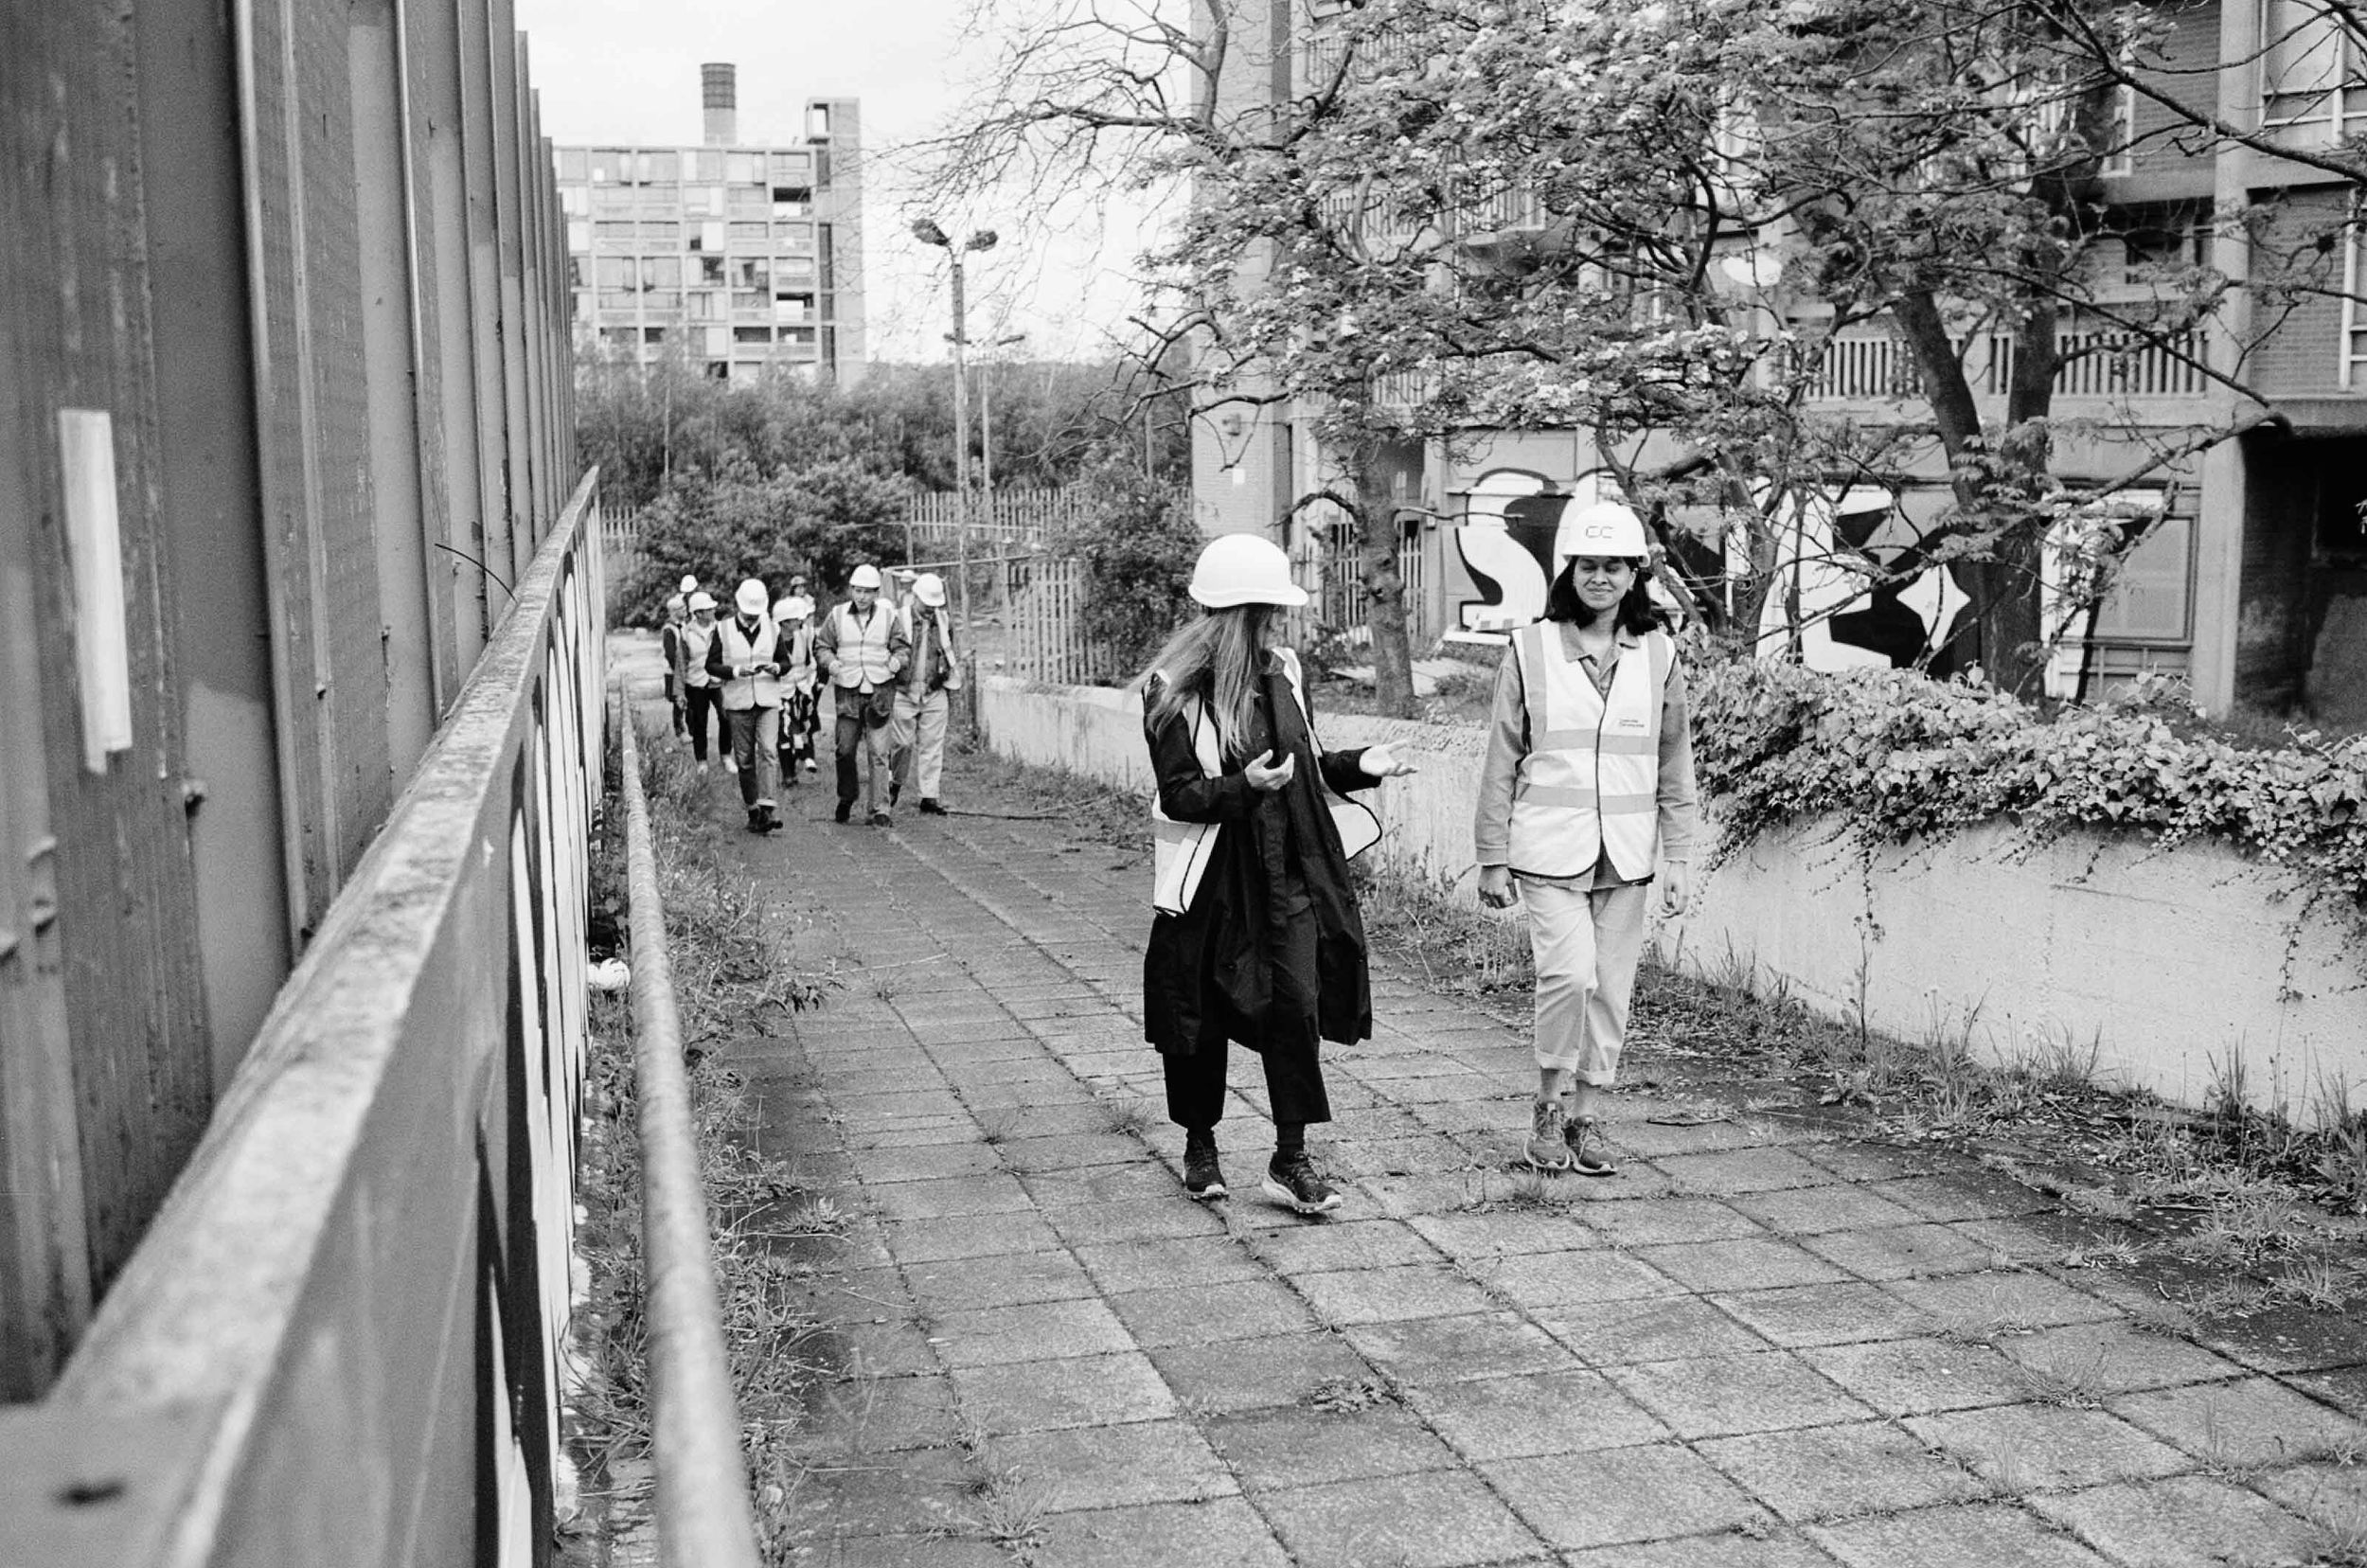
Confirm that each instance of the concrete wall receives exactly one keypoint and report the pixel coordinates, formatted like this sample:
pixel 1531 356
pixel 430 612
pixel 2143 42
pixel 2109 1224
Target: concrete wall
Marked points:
pixel 2170 965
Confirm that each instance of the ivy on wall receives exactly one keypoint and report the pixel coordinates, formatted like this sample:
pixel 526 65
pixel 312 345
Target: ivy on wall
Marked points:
pixel 1903 756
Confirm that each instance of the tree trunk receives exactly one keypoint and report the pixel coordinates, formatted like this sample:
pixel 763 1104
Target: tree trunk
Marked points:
pixel 1384 586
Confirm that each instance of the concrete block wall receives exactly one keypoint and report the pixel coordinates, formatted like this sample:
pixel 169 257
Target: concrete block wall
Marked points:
pixel 2171 966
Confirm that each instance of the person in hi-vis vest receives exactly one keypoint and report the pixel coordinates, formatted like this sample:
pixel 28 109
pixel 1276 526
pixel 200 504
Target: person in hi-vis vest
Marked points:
pixel 701 692
pixel 1587 791
pixel 922 701
pixel 745 660
pixel 861 648
pixel 800 703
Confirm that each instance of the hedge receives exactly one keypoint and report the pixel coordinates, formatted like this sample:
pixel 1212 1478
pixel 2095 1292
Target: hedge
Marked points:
pixel 1902 756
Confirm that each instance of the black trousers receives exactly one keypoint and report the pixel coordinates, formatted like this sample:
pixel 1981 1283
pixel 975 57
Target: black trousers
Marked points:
pixel 1287 1041
pixel 703 700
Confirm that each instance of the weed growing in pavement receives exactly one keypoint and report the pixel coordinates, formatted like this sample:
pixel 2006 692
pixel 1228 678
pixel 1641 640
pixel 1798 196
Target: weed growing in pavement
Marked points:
pixel 1007 1509
pixel 998 1124
pixel 1126 1114
pixel 2073 1384
pixel 2337 1536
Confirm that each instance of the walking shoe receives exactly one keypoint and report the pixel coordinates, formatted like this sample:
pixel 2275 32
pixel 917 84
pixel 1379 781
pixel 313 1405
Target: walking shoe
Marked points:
pixel 812 766
pixel 1547 1149
pixel 755 819
pixel 703 767
pixel 731 764
pixel 1294 1185
pixel 1202 1179
pixel 881 819
pixel 772 820
pixel 931 808
pixel 895 788
pixel 1585 1142
pixel 845 810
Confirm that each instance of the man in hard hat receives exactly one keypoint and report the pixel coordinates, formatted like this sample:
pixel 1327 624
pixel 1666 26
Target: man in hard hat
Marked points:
pixel 670 645
pixel 922 704
pixel 863 648
pixel 745 659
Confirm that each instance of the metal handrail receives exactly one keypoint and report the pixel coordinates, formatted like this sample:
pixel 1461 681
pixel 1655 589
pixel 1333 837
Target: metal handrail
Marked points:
pixel 702 1511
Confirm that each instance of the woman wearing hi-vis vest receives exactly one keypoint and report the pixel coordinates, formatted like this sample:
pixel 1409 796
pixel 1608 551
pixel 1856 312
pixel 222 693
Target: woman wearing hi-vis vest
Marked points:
pixel 1258 939
pixel 1587 791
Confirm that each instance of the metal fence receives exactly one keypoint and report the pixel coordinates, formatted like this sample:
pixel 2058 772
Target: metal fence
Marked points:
pixel 339 1341
pixel 285 411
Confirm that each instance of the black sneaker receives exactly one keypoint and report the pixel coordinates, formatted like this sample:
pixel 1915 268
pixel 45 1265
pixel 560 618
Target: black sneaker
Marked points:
pixel 1202 1178
pixel 845 810
pixel 772 820
pixel 755 819
pixel 931 808
pixel 1294 1185
pixel 895 788
pixel 1585 1142
pixel 881 819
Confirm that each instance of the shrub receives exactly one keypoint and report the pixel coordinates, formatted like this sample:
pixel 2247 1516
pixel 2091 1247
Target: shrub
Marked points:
pixel 1138 543
pixel 1903 756
pixel 825 519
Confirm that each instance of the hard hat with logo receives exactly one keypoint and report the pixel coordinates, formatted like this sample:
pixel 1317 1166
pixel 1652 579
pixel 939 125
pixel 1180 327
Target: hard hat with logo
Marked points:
pixel 750 599
pixel 1244 569
pixel 865 575
pixel 702 601
pixel 929 589
pixel 1601 528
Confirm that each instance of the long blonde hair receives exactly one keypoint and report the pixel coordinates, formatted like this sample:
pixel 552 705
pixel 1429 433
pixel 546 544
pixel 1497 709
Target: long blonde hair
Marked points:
pixel 1219 659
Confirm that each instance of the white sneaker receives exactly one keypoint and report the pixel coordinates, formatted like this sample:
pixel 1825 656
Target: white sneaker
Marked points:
pixel 731 764
pixel 703 767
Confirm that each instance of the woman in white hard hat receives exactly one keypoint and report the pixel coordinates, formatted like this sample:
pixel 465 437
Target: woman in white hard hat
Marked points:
pixel 800 709
pixel 745 660
pixel 1259 938
pixel 1587 790
pixel 702 693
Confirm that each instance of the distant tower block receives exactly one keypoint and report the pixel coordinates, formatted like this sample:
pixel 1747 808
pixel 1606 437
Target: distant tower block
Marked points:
pixel 718 91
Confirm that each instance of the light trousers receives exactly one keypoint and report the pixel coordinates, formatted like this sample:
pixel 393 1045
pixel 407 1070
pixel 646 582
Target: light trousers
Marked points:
pixel 756 733
pixel 1586 944
pixel 920 740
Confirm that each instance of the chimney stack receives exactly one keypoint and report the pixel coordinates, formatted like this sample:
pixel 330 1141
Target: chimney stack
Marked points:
pixel 719 93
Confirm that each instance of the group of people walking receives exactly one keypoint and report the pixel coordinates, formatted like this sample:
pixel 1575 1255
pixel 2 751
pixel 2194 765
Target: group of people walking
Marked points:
pixel 1586 799
pixel 763 671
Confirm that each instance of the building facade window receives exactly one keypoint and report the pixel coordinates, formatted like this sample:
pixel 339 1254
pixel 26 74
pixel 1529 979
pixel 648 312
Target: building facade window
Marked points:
pixel 2313 78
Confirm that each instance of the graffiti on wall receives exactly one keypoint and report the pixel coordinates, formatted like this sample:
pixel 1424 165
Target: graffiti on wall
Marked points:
pixel 1827 550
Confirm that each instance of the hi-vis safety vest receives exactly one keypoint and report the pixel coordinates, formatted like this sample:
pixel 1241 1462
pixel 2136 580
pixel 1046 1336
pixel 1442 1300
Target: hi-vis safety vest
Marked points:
pixel 1181 850
pixel 862 658
pixel 695 639
pixel 1590 785
pixel 740 650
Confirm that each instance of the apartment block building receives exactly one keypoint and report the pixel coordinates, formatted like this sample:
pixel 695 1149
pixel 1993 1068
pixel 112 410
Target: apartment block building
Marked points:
pixel 732 257
pixel 2253 584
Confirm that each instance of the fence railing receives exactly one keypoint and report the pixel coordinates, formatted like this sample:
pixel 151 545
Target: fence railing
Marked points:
pixel 1009 517
pixel 2103 362
pixel 1044 637
pixel 338 1342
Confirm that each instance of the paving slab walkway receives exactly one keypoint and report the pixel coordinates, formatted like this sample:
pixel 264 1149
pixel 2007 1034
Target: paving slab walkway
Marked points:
pixel 1762 1344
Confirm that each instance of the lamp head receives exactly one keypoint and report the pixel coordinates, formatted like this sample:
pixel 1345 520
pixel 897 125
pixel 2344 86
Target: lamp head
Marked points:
pixel 982 240
pixel 928 234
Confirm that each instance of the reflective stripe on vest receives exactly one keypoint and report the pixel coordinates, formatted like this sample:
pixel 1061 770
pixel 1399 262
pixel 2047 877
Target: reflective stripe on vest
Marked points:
pixel 861 656
pixel 1590 784
pixel 745 691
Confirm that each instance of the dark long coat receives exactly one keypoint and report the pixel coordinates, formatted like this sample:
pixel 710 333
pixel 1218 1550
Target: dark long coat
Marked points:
pixel 1216 961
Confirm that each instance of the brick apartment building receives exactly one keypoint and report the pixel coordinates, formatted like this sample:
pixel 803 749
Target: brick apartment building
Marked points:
pixel 2254 585
pixel 731 257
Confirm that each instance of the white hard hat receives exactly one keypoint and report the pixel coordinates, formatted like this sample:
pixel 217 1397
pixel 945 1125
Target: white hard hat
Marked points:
pixel 702 601
pixel 929 589
pixel 689 585
pixel 795 607
pixel 752 599
pixel 902 574
pixel 1601 528
pixel 865 575
pixel 1244 569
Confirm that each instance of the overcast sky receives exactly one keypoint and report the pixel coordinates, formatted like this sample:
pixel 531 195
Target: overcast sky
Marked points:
pixel 628 71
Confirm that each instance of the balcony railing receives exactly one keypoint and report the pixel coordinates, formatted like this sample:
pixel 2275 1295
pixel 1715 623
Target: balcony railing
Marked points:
pixel 2105 363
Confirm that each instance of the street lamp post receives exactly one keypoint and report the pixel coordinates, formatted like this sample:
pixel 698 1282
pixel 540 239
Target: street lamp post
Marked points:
pixel 928 234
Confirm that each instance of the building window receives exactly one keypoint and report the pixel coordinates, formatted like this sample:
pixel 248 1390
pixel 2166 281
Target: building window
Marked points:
pixel 818 122
pixel 710 269
pixel 619 272
pixel 607 166
pixel 653 334
pixel 749 232
pixel 2313 81
pixel 665 232
pixel 752 335
pixel 705 305
pixel 741 169
pixel 751 271
pixel 709 238
pixel 661 272
pixel 2161 241
pixel 574 201
pixel 578 234
pixel 793 307
pixel 791 202
pixel 706 162
pixel 659 168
